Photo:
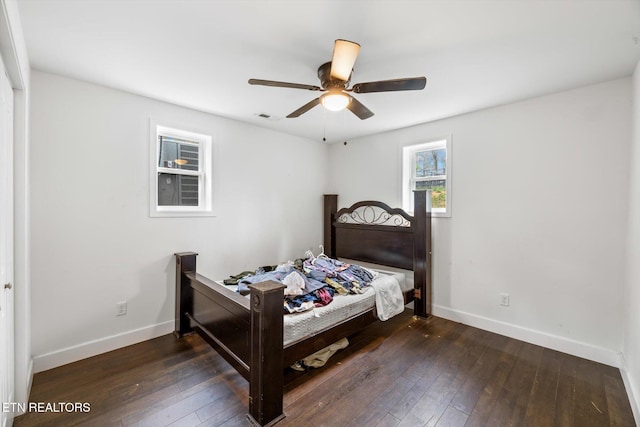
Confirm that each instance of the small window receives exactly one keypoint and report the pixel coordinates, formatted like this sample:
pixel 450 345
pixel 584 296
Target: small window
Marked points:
pixel 181 184
pixel 427 166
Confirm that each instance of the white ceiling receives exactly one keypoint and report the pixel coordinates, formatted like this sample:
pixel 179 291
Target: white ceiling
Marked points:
pixel 200 54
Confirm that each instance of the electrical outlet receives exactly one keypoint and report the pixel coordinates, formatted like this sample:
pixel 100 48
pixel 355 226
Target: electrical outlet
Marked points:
pixel 504 300
pixel 122 308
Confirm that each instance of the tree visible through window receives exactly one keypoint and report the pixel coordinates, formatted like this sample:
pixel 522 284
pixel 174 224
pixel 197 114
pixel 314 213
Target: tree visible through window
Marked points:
pixel 431 173
pixel 426 166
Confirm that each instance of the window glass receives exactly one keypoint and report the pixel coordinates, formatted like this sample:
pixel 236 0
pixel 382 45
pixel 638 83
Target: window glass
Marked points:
pixel 431 162
pixel 181 173
pixel 438 192
pixel 178 154
pixel 177 190
pixel 427 166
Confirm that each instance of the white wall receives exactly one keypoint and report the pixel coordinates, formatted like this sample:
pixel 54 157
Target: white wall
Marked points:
pixel 631 350
pixel 539 211
pixel 95 242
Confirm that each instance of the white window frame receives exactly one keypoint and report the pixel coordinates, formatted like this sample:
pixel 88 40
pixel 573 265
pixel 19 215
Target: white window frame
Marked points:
pixel 408 153
pixel 206 157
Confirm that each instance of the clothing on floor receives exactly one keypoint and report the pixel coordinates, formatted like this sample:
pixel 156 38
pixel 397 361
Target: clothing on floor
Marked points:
pixel 320 358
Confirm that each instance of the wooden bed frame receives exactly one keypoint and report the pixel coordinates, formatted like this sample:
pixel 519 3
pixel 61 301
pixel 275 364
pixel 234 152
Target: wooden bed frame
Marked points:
pixel 248 332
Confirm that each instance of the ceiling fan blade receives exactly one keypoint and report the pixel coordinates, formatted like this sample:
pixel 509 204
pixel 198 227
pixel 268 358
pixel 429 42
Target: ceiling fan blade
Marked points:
pixel 306 107
pixel 344 56
pixel 357 108
pixel 414 83
pixel 282 84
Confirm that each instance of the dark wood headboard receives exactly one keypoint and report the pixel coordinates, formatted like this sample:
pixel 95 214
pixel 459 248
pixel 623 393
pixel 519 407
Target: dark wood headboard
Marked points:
pixel 371 231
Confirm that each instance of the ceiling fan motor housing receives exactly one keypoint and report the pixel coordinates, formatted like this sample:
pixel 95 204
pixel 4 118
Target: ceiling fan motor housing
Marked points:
pixel 324 74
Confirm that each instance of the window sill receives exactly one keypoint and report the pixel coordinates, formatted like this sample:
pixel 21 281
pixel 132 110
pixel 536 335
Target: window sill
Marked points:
pixel 435 214
pixel 181 214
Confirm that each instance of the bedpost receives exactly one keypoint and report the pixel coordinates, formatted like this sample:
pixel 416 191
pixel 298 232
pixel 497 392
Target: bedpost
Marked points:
pixel 330 209
pixel 266 383
pixel 429 264
pixel 185 262
pixel 422 254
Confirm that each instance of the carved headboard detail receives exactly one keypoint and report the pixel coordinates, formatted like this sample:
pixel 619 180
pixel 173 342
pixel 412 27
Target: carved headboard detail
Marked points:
pixel 373 213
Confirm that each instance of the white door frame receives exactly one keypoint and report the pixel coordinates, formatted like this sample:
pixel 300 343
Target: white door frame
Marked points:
pixel 13 51
pixel 7 348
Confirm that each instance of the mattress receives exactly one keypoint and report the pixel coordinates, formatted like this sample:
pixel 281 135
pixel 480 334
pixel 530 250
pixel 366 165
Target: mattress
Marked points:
pixel 299 326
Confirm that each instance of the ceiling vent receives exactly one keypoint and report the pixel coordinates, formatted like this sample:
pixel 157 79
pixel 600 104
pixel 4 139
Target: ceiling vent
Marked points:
pixel 268 117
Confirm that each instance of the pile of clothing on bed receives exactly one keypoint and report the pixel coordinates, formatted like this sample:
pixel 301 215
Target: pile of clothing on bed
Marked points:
pixel 310 282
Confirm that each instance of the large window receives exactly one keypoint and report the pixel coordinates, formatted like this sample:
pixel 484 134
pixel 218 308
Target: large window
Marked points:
pixel 181 182
pixel 427 166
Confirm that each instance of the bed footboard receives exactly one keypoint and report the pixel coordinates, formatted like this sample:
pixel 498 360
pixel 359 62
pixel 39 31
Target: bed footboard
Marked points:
pixel 247 333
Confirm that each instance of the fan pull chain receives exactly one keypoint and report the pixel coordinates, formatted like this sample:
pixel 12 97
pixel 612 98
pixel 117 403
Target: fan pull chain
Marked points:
pixel 324 125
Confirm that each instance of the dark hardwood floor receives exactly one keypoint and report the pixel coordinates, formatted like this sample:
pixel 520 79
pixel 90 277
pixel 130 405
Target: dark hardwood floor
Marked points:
pixel 402 372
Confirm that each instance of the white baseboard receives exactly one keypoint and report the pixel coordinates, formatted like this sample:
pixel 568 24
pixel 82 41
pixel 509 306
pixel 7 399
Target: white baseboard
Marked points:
pixel 554 342
pixel 92 348
pixel 633 391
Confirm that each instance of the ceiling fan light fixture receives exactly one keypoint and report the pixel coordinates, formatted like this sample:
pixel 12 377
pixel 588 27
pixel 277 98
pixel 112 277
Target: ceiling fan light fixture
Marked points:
pixel 345 53
pixel 335 101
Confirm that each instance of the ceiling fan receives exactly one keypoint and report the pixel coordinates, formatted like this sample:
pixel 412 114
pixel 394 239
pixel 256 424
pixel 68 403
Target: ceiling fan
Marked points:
pixel 334 80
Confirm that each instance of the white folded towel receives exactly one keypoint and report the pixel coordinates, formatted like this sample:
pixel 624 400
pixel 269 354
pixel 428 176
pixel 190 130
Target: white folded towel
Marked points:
pixel 389 298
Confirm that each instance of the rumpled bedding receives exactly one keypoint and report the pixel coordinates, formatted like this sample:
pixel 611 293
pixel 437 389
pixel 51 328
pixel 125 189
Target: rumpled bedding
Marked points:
pixel 313 281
